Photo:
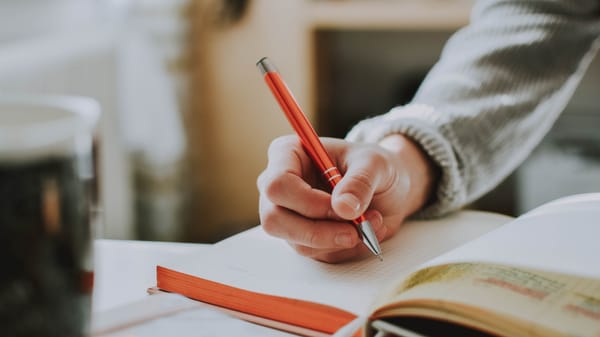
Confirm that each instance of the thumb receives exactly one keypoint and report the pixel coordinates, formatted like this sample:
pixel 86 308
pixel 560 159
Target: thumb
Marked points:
pixel 353 194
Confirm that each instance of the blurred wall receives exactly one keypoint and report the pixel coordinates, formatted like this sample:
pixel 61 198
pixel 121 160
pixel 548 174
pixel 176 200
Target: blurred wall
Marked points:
pixel 123 54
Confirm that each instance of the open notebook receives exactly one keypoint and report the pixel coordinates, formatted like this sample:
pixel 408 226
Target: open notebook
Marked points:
pixel 537 275
pixel 259 263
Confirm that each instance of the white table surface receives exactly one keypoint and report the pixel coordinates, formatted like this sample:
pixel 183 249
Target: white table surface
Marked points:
pixel 123 269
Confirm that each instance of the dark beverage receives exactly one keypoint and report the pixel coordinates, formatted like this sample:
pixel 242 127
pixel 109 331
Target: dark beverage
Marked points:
pixel 46 273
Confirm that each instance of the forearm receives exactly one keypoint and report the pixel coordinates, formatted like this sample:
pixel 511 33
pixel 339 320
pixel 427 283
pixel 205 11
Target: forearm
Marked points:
pixel 497 89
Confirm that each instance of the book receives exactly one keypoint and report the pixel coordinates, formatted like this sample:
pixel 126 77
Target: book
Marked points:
pixel 252 264
pixel 470 274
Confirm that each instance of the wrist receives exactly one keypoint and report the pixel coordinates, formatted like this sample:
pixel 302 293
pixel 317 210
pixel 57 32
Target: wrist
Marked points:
pixel 422 172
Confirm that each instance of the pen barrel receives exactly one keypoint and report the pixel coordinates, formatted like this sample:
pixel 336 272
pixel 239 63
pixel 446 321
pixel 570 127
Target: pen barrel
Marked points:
pixel 307 134
pixel 299 122
pixel 332 175
pixel 312 144
pixel 301 125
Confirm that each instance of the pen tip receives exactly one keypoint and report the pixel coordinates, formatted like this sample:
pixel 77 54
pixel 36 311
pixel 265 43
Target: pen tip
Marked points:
pixel 369 238
pixel 380 257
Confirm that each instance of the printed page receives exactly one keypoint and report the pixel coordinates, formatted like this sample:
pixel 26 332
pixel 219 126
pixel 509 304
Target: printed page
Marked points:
pixel 255 261
pixel 562 236
pixel 504 298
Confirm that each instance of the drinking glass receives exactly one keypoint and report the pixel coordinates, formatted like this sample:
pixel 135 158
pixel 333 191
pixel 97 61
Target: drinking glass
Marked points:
pixel 47 191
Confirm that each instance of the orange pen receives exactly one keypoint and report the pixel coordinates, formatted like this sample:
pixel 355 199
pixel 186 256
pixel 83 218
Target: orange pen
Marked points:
pixel 312 144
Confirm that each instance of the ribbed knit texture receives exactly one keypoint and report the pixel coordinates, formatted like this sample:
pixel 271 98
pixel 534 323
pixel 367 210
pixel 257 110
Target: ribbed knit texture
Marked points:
pixel 499 86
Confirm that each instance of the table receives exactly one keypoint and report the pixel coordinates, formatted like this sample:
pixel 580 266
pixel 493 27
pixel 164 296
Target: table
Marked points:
pixel 123 271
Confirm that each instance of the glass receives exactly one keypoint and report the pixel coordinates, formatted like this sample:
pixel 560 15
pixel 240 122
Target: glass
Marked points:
pixel 46 194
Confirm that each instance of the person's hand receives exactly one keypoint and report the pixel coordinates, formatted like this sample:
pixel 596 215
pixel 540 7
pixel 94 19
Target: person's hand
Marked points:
pixel 389 181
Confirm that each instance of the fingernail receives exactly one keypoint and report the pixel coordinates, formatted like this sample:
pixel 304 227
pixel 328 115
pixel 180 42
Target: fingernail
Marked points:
pixel 343 240
pixel 350 200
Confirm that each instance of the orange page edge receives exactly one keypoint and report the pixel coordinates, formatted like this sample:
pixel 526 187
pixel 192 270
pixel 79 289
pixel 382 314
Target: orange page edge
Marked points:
pixel 293 315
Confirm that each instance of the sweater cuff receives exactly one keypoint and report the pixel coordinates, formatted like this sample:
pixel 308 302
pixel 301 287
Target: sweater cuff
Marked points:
pixel 424 126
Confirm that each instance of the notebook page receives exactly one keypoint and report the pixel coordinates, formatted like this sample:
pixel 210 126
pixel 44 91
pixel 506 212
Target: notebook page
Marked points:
pixel 254 261
pixel 562 236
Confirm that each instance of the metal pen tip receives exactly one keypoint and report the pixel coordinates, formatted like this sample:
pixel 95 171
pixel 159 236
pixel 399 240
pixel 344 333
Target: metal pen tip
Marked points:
pixel 369 238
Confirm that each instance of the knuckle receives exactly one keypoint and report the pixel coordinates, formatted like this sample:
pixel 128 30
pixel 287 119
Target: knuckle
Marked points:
pixel 282 142
pixel 363 181
pixel 274 187
pixel 311 238
pixel 270 222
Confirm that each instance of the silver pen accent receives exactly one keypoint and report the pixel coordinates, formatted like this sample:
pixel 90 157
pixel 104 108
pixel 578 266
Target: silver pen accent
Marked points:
pixel 369 238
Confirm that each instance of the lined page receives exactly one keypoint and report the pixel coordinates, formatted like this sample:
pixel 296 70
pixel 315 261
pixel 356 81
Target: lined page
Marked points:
pixel 257 262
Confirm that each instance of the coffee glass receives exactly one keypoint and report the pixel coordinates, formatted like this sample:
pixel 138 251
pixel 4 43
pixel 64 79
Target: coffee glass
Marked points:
pixel 47 191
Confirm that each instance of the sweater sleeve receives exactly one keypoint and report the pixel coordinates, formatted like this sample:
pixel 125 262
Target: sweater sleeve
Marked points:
pixel 497 89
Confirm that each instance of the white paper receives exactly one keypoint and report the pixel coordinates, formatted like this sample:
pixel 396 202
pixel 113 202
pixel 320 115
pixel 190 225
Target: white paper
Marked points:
pixel 255 261
pixel 562 236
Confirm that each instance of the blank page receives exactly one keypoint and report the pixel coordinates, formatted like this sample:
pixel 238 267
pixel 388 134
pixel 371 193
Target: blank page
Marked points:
pixel 562 236
pixel 254 261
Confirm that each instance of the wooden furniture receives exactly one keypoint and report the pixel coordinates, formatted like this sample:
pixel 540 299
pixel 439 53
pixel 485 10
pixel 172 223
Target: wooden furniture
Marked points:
pixel 233 117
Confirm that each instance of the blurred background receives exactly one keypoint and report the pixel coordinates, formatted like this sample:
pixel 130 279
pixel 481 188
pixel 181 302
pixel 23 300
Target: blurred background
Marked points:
pixel 187 119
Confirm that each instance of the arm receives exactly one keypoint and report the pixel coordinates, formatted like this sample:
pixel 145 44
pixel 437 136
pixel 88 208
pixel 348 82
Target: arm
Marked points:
pixel 499 86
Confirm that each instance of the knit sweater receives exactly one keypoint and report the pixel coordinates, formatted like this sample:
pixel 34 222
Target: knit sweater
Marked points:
pixel 498 87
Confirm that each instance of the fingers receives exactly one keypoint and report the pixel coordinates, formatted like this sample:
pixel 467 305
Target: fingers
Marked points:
pixel 324 240
pixel 289 178
pixel 353 194
pixel 337 255
pixel 297 229
pixel 290 191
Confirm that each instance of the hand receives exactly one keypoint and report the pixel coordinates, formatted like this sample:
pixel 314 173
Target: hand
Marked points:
pixel 389 181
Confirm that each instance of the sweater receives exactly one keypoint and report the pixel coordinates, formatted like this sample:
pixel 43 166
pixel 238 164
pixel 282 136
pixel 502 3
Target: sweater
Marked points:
pixel 498 87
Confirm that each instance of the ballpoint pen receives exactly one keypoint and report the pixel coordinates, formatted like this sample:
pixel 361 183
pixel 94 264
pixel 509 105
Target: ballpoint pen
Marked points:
pixel 312 144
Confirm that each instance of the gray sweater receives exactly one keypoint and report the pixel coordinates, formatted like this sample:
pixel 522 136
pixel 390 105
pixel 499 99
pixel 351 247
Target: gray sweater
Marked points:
pixel 500 84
